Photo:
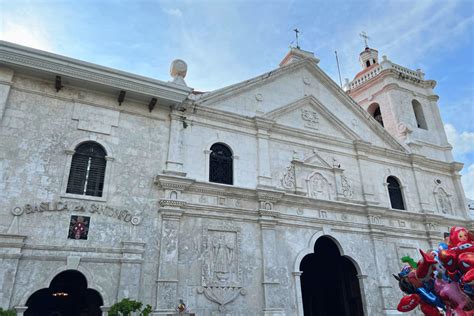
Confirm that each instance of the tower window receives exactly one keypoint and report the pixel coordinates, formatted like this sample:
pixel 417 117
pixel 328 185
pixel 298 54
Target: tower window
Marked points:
pixel 395 193
pixel 87 173
pixel 374 110
pixel 367 63
pixel 220 164
pixel 420 118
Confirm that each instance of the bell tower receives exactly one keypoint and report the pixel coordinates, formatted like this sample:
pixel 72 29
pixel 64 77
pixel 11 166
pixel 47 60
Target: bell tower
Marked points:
pixel 403 102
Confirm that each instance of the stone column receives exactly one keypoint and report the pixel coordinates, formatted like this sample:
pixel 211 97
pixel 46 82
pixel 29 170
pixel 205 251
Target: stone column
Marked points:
pixel 174 163
pixel 130 270
pixel 264 173
pixel 299 297
pixel 105 310
pixel 423 204
pixel 10 252
pixel 271 269
pixel 167 283
pixel 20 310
pixel 6 80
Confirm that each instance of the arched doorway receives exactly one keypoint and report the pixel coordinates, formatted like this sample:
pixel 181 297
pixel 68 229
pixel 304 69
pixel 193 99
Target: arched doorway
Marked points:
pixel 329 282
pixel 67 295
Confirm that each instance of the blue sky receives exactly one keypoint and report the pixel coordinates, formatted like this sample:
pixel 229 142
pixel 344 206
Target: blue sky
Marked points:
pixel 225 42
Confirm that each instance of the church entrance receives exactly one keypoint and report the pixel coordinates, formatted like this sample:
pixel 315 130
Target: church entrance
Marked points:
pixel 329 282
pixel 67 295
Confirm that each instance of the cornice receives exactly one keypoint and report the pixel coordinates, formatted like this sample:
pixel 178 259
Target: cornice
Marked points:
pixel 37 60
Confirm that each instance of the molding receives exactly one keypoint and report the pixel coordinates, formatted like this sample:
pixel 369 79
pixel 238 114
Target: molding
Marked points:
pixel 37 60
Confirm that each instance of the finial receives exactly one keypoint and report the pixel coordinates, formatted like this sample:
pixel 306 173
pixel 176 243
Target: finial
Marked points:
pixel 178 71
pixel 296 34
pixel 365 37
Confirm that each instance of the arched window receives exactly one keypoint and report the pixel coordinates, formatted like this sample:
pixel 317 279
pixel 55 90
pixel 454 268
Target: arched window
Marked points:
pixel 395 193
pixel 374 110
pixel 420 118
pixel 367 63
pixel 87 170
pixel 220 164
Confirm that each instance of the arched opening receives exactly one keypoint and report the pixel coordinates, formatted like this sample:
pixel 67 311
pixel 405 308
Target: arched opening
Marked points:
pixel 395 193
pixel 87 173
pixel 374 110
pixel 419 116
pixel 67 295
pixel 329 282
pixel 221 164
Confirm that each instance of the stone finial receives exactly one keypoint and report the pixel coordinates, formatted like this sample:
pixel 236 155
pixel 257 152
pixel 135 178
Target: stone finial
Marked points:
pixel 178 71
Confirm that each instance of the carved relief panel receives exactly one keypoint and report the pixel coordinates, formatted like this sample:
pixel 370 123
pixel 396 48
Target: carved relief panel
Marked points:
pixel 221 272
pixel 319 187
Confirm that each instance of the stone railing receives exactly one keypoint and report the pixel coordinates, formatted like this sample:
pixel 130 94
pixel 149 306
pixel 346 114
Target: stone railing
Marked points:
pixel 386 64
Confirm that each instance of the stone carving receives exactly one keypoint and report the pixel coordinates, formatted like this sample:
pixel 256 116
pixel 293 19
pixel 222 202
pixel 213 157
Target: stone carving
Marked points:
pixel 237 203
pixel 443 201
pixel 402 223
pixel 375 219
pixel 203 199
pixel 300 211
pixel 170 240
pixel 311 118
pixel 346 188
pixel 319 187
pixel 288 180
pixel 221 200
pixel 323 214
pixel 431 226
pixel 221 272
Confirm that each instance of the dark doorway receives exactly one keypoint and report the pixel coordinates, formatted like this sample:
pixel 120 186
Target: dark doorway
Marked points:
pixel 67 295
pixel 329 282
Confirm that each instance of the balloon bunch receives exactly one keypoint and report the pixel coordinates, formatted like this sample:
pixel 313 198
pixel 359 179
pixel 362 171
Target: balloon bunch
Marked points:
pixel 442 282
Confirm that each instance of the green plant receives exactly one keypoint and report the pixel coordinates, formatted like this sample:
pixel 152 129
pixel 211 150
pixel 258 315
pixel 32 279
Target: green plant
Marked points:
pixel 127 306
pixel 7 312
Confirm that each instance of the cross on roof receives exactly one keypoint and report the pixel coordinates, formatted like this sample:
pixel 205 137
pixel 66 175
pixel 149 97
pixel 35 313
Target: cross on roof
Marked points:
pixel 296 33
pixel 365 37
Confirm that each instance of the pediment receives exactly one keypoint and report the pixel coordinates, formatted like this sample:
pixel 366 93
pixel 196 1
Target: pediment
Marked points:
pixel 301 96
pixel 312 116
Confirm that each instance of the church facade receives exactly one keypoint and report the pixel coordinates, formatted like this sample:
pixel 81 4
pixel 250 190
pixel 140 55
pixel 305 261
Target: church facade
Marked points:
pixel 280 195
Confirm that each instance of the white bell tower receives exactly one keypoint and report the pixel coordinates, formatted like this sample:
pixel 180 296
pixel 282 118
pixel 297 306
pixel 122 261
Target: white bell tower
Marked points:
pixel 403 102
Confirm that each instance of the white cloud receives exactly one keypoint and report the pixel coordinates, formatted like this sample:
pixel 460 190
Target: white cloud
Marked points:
pixel 31 35
pixel 462 143
pixel 174 12
pixel 468 182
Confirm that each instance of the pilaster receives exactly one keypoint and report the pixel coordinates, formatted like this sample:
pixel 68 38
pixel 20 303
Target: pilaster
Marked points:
pixel 174 162
pixel 271 267
pixel 264 172
pixel 167 283
pixel 368 192
pixel 6 80
pixel 10 253
pixel 130 269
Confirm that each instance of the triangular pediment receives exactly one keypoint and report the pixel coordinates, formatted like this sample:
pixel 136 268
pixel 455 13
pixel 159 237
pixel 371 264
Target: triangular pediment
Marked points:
pixel 312 116
pixel 316 160
pixel 301 96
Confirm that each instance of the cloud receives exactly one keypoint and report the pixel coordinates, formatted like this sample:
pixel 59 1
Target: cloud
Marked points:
pixel 174 12
pixel 463 143
pixel 468 182
pixel 31 35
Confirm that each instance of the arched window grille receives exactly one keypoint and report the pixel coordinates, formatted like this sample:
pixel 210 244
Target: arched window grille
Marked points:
pixel 419 116
pixel 374 110
pixel 87 173
pixel 395 193
pixel 220 164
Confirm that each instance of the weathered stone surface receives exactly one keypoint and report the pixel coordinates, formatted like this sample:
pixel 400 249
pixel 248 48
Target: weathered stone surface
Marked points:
pixel 306 163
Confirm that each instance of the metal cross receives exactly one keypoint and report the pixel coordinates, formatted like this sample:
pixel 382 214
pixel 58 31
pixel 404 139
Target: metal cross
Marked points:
pixel 297 43
pixel 365 37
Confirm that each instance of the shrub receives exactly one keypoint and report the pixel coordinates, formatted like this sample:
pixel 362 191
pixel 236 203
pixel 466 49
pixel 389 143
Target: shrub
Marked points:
pixel 127 306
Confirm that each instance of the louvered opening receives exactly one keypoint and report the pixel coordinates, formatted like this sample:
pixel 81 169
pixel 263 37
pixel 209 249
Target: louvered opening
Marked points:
pixel 87 170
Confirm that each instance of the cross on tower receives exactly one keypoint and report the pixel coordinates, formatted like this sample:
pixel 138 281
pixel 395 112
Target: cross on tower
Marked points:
pixel 365 37
pixel 296 33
